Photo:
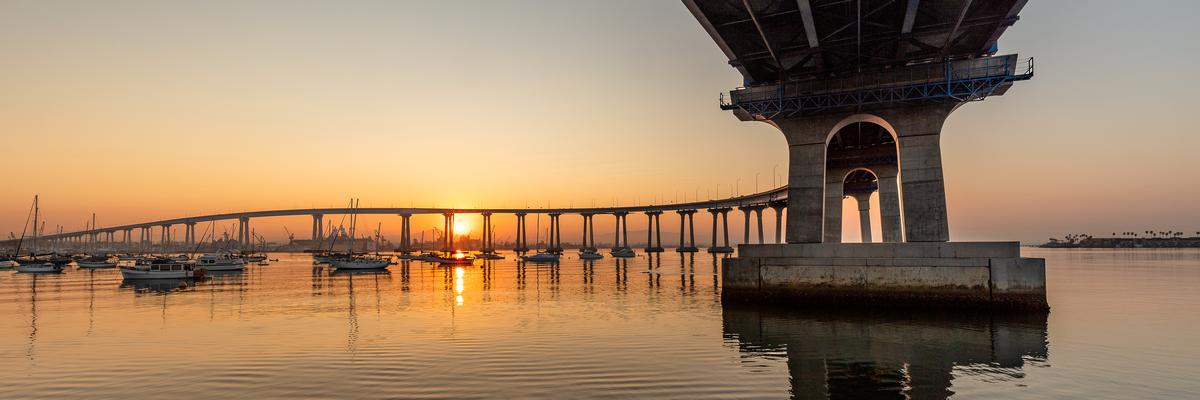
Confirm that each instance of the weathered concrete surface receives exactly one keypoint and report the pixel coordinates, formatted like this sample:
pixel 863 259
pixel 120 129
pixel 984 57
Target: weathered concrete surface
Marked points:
pixel 961 274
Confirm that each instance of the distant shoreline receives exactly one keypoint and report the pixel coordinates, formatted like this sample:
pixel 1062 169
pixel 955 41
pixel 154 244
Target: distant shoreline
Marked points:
pixel 1124 243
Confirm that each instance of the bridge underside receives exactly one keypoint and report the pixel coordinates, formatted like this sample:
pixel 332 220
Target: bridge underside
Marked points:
pixel 816 69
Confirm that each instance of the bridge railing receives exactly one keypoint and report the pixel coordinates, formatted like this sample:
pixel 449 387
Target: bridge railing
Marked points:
pixel 960 80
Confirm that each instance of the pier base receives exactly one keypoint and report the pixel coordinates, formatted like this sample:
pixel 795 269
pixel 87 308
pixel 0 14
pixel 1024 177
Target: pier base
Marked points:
pixel 954 274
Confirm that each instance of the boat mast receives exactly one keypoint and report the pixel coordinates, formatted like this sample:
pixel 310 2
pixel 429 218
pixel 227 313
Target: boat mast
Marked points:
pixel 33 244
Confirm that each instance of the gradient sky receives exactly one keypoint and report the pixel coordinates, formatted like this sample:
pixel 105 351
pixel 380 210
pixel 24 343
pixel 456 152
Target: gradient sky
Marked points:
pixel 141 110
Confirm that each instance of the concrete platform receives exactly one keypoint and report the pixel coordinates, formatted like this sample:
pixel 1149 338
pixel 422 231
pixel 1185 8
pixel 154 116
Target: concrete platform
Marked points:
pixel 953 274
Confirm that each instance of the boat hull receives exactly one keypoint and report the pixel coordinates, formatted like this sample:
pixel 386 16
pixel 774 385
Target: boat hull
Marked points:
pixel 142 274
pixel 95 264
pixel 223 266
pixel 360 264
pixel 46 268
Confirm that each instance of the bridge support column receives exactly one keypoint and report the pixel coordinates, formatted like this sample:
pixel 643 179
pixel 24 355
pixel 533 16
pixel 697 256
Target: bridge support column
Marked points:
pixel 447 232
pixel 555 245
pixel 778 207
pixel 405 233
pixel 589 233
pixel 864 215
pixel 625 229
pixel 758 215
pixel 654 232
pixel 621 233
pixel 522 243
pixel 317 229
pixel 889 205
pixel 724 246
pixel 686 218
pixel 487 245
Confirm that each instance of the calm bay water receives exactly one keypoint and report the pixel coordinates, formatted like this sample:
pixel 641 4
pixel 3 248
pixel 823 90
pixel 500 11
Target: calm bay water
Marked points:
pixel 1124 324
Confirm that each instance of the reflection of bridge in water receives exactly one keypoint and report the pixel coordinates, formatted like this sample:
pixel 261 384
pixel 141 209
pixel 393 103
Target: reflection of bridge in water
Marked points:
pixel 122 236
pixel 842 355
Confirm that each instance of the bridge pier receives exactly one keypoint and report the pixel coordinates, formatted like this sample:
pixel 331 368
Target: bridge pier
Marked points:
pixel 448 232
pixel 318 220
pixel 405 232
pixel 864 215
pixel 686 216
pixel 621 233
pixel 654 232
pixel 589 233
pixel 522 240
pixel 554 244
pixel 778 207
pixel 721 213
pixel 488 246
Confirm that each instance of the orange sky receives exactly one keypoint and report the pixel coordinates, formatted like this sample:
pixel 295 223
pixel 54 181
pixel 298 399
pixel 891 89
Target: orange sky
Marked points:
pixel 146 111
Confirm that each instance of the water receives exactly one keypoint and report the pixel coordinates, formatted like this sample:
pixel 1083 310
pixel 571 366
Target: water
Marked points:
pixel 1123 325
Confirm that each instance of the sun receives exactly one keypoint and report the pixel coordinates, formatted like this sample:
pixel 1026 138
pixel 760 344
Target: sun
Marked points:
pixel 461 228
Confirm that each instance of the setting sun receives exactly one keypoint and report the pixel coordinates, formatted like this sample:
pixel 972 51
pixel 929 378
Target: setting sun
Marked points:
pixel 461 228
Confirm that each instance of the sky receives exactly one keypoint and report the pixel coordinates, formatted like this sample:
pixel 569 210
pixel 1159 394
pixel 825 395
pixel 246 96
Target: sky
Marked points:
pixel 145 110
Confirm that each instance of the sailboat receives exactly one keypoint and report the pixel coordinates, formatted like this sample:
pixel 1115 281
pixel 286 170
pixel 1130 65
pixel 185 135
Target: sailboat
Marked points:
pixel 542 255
pixel 350 261
pixel 33 264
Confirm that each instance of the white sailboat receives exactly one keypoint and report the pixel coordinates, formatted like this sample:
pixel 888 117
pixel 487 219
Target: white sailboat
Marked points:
pixel 34 264
pixel 350 261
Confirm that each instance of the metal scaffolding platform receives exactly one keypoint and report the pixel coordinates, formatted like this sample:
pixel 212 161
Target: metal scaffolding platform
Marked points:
pixel 957 82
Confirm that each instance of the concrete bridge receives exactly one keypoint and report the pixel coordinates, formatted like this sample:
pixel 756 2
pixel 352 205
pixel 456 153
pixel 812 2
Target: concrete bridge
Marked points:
pixel 749 205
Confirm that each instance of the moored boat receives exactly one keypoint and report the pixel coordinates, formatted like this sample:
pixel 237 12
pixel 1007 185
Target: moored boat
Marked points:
pixel 623 253
pixel 220 262
pixel 97 261
pixel 541 257
pixel 456 258
pixel 162 268
pixel 590 255
pixel 36 265
pixel 360 262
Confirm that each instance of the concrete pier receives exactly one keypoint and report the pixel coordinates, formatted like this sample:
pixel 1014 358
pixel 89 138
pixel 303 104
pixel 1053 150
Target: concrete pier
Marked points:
pixel 958 274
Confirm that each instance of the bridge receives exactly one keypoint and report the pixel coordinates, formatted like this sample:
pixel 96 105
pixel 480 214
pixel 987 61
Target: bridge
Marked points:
pixel 719 209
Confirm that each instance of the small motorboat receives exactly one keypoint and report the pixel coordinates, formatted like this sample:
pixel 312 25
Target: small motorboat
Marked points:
pixel 457 258
pixel 162 268
pixel 348 262
pixel 541 256
pixel 220 262
pixel 590 255
pixel 7 263
pixel 624 252
pixel 97 261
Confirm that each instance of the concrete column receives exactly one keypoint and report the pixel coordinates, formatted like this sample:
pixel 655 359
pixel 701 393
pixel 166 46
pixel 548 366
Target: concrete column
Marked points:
pixel 682 221
pixel 592 230
pixel 834 194
pixel 625 229
pixel 778 223
pixel 889 205
pixel 316 226
pixel 405 233
pixel 658 230
pixel 584 240
pixel 714 232
pixel 746 232
pixel 806 171
pixel 691 228
pixel 924 190
pixel 725 225
pixel 649 230
pixel 864 215
pixel 758 214
pixel 522 243
pixel 162 234
pixel 617 232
